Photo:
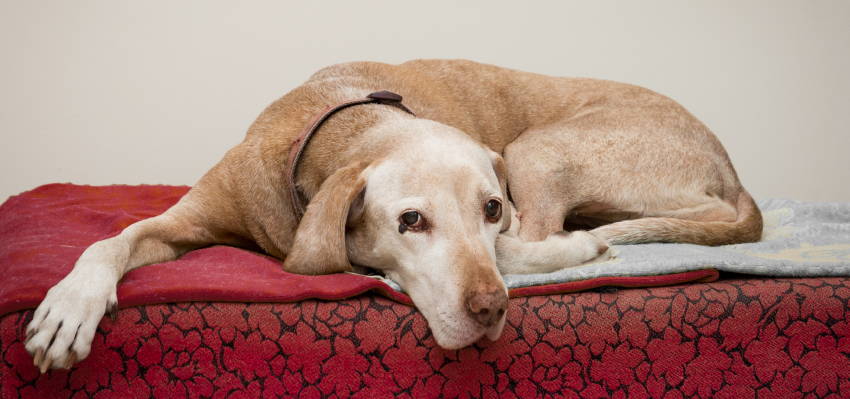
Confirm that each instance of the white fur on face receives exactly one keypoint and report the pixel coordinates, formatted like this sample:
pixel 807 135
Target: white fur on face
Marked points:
pixel 446 177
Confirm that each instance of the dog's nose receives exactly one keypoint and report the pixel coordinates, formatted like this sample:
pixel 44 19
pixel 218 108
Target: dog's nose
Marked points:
pixel 487 308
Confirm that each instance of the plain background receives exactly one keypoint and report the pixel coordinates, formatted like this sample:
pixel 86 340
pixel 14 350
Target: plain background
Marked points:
pixel 103 92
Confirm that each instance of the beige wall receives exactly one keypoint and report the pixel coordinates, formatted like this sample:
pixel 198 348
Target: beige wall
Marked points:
pixel 104 92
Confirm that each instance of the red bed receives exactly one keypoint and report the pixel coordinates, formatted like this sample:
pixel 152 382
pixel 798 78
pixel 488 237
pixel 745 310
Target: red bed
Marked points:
pixel 225 322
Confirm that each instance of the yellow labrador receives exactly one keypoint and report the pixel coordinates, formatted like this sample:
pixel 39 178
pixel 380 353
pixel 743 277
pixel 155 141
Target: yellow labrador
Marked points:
pixel 428 199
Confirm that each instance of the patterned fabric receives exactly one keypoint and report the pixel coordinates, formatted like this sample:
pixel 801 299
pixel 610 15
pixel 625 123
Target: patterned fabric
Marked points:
pixel 738 338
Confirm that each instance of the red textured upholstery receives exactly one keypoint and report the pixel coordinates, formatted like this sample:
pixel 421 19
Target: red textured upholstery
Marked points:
pixel 782 338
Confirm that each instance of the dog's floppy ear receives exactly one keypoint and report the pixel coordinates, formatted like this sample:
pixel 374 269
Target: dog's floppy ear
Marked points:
pixel 319 244
pixel 502 174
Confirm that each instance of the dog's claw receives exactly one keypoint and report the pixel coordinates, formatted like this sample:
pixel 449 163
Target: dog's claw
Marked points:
pixel 112 311
pixel 72 358
pixel 39 356
pixel 45 365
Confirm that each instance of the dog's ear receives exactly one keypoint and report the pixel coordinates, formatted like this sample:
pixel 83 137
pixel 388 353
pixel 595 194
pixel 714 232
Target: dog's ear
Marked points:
pixel 502 174
pixel 319 244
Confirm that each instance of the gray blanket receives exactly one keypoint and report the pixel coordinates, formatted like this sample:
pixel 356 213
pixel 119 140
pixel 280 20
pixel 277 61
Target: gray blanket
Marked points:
pixel 800 239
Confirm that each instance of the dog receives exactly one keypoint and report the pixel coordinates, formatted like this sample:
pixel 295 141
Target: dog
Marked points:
pixel 449 174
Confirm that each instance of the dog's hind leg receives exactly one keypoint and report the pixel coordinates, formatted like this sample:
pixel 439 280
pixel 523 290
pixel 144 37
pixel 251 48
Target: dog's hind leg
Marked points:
pixel 542 178
pixel 711 225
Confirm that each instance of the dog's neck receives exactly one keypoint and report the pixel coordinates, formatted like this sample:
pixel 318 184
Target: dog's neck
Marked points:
pixel 358 133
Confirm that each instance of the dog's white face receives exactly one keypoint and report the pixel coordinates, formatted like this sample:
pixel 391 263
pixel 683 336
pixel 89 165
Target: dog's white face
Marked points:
pixel 429 218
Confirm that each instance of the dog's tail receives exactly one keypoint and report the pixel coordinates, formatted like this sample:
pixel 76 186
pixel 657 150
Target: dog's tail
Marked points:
pixel 746 228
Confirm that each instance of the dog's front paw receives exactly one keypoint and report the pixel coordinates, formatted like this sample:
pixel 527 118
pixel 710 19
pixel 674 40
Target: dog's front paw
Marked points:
pixel 64 324
pixel 586 247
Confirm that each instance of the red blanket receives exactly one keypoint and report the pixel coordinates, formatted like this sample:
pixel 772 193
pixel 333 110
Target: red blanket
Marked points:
pixel 44 231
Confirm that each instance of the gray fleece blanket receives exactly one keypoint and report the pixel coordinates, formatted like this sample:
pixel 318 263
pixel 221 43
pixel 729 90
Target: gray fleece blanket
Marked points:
pixel 800 239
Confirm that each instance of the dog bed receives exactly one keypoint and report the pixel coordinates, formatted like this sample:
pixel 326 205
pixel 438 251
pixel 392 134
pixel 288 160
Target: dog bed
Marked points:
pixel 226 322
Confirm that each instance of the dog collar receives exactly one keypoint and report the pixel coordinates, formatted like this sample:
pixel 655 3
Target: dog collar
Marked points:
pixel 300 143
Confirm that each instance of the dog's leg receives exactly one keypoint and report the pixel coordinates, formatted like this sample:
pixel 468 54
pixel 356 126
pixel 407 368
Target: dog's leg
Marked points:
pixel 703 226
pixel 557 251
pixel 541 179
pixel 65 322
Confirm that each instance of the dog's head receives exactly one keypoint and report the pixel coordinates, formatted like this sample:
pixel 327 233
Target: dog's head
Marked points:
pixel 426 214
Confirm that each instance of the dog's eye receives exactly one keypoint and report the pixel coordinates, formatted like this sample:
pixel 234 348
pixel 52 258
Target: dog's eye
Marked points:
pixel 411 220
pixel 493 210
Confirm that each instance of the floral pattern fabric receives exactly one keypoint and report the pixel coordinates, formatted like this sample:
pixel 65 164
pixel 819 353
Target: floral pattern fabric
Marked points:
pixel 737 338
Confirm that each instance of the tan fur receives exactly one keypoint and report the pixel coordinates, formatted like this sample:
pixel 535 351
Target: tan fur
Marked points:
pixel 626 160
pixel 319 245
pixel 747 228
pixel 479 278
